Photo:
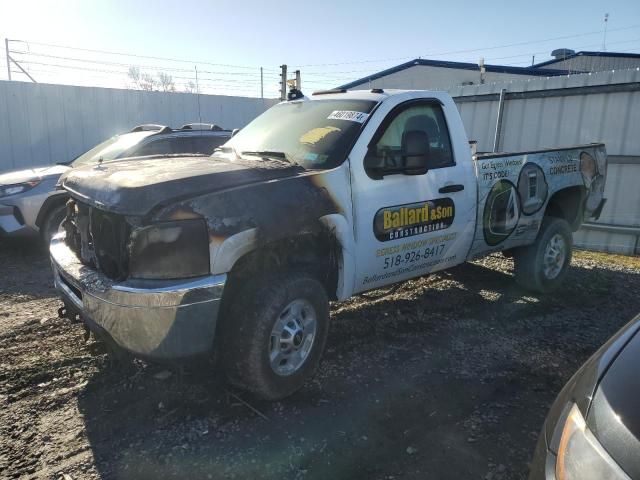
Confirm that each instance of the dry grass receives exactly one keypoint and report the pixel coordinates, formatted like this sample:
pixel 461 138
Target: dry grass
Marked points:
pixel 627 261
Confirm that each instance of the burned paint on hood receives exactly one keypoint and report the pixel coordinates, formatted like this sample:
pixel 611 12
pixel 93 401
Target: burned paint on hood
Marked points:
pixel 291 205
pixel 274 198
pixel 136 187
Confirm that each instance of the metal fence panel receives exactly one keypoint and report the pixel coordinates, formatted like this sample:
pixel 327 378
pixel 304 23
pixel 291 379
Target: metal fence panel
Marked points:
pixel 41 124
pixel 570 110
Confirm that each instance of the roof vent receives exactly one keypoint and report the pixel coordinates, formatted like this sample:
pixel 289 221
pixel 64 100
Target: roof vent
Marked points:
pixel 329 92
pixel 562 53
pixel 200 126
pixel 148 127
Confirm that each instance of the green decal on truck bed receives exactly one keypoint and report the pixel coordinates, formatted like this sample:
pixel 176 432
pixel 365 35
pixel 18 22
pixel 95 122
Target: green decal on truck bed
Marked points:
pixel 501 212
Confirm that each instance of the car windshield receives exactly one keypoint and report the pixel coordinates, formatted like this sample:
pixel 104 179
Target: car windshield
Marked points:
pixel 316 134
pixel 111 148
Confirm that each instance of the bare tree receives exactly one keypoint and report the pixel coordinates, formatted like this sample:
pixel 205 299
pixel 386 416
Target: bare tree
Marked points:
pixel 190 87
pixel 147 82
pixel 134 76
pixel 165 82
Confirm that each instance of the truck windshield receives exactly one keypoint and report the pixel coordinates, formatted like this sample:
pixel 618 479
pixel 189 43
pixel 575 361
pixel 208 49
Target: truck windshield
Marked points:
pixel 111 148
pixel 315 134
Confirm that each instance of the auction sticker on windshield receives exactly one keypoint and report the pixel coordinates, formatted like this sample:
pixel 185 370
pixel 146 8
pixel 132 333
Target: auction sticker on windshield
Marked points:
pixel 350 115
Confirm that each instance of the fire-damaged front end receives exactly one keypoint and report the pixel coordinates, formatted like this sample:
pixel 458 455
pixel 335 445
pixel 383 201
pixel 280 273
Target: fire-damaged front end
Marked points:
pixel 135 255
pixel 147 288
pixel 150 245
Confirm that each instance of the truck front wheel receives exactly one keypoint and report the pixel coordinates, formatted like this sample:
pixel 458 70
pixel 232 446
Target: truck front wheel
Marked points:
pixel 51 224
pixel 274 334
pixel 543 265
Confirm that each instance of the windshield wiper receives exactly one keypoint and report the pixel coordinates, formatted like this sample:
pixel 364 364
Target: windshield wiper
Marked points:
pixel 267 154
pixel 226 150
pixel 270 154
pixel 259 153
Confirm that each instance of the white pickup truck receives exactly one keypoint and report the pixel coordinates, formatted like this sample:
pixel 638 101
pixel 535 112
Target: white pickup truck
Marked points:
pixel 317 199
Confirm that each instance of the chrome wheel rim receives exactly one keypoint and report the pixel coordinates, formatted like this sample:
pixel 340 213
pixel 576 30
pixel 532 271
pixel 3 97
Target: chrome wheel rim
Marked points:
pixel 555 255
pixel 292 337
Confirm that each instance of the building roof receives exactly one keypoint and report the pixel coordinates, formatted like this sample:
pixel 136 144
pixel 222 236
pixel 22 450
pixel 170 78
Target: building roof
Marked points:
pixel 588 54
pixel 529 71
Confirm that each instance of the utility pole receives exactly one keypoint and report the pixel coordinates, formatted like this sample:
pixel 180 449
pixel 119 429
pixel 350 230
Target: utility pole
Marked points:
pixel 198 94
pixel 261 84
pixel 604 39
pixel 298 81
pixel 482 70
pixel 10 59
pixel 283 83
pixel 6 51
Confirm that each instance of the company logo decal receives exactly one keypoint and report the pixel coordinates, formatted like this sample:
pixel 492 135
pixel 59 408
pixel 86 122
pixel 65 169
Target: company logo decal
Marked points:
pixel 501 212
pixel 391 223
pixel 532 188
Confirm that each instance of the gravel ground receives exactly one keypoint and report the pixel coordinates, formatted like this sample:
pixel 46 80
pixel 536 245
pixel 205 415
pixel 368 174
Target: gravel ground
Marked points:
pixel 447 376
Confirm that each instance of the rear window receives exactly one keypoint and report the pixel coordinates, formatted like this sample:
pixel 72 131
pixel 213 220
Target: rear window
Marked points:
pixel 111 149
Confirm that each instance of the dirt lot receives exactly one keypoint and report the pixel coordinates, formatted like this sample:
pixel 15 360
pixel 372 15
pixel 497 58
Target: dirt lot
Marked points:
pixel 448 376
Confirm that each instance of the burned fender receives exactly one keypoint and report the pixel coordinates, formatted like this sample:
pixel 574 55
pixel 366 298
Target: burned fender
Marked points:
pixel 243 219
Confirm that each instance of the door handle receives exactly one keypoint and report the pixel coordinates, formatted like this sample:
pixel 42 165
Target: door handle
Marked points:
pixel 451 188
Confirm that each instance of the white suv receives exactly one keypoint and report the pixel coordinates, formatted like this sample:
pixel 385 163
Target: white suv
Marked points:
pixel 29 202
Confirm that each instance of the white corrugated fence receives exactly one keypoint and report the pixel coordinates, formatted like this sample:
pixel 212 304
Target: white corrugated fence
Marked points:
pixel 42 124
pixel 570 110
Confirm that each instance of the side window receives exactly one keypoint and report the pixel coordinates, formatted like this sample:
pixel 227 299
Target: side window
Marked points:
pixel 425 118
pixel 184 145
pixel 161 146
pixel 209 143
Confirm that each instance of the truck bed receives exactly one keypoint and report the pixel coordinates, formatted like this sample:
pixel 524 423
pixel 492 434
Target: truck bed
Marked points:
pixel 514 189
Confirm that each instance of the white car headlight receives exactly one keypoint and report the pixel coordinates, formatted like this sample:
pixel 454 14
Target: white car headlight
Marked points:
pixel 6 190
pixel 580 455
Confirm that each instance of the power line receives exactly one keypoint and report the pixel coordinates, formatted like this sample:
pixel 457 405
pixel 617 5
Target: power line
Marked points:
pixel 125 73
pixel 246 77
pixel 217 87
pixel 107 52
pixel 148 67
pixel 330 75
pixel 563 37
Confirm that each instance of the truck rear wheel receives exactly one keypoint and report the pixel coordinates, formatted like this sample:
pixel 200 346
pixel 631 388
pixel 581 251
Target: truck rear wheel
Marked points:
pixel 543 265
pixel 274 334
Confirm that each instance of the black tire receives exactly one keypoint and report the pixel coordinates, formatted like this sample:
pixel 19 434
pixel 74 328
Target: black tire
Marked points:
pixel 247 333
pixel 51 223
pixel 529 262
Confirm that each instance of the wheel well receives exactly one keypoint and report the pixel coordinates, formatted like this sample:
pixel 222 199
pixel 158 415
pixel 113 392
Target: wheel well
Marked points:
pixel 49 204
pixel 318 253
pixel 567 204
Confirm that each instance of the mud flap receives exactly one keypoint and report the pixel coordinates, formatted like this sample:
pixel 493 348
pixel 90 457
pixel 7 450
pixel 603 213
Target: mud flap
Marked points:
pixel 68 312
pixel 596 213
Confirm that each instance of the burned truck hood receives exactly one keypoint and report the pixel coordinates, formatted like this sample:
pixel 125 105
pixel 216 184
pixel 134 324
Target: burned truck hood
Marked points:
pixel 136 187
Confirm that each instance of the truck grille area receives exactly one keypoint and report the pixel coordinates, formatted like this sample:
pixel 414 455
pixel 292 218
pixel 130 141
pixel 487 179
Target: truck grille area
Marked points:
pixel 98 238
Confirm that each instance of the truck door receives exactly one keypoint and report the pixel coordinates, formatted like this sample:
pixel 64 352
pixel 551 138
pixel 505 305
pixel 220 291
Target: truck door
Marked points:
pixel 407 222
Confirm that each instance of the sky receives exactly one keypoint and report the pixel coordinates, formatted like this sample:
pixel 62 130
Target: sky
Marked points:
pixel 331 42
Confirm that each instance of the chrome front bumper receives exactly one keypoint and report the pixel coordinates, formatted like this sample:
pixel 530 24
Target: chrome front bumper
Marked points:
pixel 156 319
